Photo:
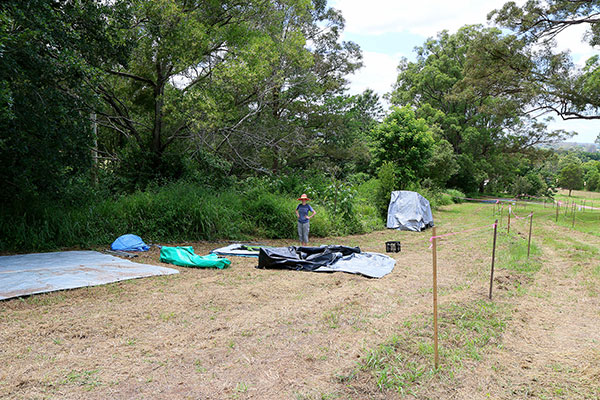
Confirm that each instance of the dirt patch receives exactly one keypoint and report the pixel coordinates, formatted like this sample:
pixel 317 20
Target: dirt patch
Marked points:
pixel 509 280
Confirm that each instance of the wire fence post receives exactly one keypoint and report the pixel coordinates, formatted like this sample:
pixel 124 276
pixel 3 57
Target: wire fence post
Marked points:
pixel 502 209
pixel 508 227
pixel 493 258
pixel 530 226
pixel 557 207
pixel 435 319
pixel 573 212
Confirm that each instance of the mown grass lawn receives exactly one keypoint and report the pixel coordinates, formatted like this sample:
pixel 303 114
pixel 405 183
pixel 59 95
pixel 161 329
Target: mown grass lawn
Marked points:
pixel 249 333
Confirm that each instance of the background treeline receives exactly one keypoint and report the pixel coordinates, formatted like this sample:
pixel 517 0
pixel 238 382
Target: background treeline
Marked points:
pixel 185 120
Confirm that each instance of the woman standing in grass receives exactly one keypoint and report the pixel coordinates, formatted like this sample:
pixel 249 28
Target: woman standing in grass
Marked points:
pixel 302 212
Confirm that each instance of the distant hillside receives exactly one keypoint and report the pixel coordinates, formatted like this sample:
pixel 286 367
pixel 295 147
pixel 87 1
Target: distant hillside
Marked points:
pixel 588 147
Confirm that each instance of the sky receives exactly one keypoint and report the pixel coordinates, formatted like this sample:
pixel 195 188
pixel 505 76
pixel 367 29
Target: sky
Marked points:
pixel 387 30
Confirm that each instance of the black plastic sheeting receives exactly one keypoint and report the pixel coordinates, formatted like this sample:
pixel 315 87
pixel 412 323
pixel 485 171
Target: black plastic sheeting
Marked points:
pixel 330 258
pixel 303 257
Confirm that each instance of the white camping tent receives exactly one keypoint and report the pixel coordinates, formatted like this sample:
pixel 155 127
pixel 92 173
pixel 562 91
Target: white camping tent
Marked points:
pixel 409 211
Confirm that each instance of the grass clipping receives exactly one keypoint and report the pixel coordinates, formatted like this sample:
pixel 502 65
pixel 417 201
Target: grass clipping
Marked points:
pixel 405 362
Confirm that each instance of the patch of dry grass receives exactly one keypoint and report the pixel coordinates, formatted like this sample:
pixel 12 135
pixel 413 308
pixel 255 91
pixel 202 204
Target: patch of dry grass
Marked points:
pixel 269 334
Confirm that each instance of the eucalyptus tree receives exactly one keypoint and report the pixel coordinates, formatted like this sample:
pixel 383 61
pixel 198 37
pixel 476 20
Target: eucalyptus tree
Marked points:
pixel 560 86
pixel 156 96
pixel 234 79
pixel 286 94
pixel 453 85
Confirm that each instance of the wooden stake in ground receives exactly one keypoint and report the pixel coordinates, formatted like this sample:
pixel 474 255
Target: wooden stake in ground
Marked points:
pixel 502 209
pixel 493 258
pixel 508 227
pixel 557 207
pixel 573 224
pixel 435 321
pixel 530 225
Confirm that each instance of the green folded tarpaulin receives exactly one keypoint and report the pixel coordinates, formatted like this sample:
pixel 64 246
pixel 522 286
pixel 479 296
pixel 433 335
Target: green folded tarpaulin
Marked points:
pixel 184 256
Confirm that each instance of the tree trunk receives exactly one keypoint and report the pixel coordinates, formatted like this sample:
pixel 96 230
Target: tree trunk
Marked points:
pixel 158 112
pixel 94 150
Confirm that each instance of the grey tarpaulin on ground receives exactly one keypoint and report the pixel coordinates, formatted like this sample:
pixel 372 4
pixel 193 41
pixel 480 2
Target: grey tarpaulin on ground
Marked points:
pixel 409 211
pixel 372 265
pixel 330 258
pixel 26 274
pixel 237 249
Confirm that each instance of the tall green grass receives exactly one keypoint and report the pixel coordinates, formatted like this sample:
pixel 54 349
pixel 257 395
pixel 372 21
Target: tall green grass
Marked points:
pixel 171 213
pixel 262 207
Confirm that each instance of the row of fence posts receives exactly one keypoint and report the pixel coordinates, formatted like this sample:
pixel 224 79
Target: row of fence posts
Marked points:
pixel 434 264
pixel 434 254
pixel 573 206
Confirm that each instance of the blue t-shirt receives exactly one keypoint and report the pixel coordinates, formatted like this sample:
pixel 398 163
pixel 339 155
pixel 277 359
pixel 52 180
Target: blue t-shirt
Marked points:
pixel 303 210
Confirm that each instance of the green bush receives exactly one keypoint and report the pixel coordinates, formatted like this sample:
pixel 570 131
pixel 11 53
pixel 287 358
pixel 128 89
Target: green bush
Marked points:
pixel 370 218
pixel 321 225
pixel 457 195
pixel 387 184
pixel 444 199
pixel 179 212
pixel 272 215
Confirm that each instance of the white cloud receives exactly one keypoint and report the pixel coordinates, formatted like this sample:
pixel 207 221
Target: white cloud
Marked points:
pixel 426 17
pixel 572 39
pixel 379 73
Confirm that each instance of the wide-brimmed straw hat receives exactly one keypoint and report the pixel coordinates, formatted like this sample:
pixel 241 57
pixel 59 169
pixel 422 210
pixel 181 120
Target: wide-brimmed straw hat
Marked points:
pixel 304 197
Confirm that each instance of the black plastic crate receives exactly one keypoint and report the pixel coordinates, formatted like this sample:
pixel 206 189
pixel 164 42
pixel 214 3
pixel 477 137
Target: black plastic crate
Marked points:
pixel 392 247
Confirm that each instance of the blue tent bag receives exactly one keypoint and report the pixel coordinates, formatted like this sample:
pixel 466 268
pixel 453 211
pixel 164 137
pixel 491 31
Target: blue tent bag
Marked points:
pixel 129 242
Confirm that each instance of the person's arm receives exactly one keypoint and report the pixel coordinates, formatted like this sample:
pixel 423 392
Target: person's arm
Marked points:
pixel 297 214
pixel 313 213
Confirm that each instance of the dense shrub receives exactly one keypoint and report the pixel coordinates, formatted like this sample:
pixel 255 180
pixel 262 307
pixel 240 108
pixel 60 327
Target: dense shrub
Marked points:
pixel 456 195
pixel 386 185
pixel 175 212
pixel 180 212
pixel 271 215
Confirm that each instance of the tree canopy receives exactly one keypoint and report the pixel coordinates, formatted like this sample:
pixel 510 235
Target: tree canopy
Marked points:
pixel 406 142
pixel 571 177
pixel 48 51
pixel 240 81
pixel 127 94
pixel 451 85
pixel 552 81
